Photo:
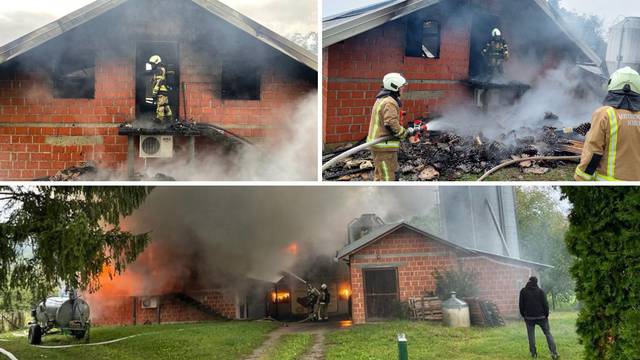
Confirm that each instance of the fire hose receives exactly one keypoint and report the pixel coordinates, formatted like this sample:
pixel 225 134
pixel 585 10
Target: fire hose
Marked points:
pixel 354 150
pixel 508 163
pixel 415 130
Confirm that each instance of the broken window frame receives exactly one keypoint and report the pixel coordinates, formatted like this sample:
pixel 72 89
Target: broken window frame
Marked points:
pixel 74 76
pixel 424 38
pixel 234 77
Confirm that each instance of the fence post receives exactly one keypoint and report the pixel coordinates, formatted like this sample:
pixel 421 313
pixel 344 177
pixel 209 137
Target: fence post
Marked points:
pixel 403 352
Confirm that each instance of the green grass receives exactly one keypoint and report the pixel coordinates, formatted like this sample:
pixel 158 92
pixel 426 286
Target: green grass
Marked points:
pixel 290 347
pixel 432 341
pixel 561 173
pixel 215 340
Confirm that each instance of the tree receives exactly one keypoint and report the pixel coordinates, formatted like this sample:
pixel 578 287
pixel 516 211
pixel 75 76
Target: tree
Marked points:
pixel 541 227
pixel 604 236
pixel 53 235
pixel 587 28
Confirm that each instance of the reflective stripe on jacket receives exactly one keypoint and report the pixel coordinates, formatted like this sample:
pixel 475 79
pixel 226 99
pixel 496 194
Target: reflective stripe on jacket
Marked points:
pixel 611 150
pixel 385 121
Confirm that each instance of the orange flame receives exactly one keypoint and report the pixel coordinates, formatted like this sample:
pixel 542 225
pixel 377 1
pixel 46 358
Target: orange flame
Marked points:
pixel 280 296
pixel 344 291
pixel 293 248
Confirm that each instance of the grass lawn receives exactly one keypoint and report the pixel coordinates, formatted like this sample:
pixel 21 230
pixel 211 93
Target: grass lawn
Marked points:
pixel 432 341
pixel 561 173
pixel 290 347
pixel 215 340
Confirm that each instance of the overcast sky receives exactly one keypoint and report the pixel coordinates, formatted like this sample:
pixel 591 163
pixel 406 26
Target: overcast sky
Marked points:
pixel 283 16
pixel 610 10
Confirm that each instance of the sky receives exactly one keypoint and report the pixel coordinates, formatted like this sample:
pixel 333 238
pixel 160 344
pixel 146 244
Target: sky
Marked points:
pixel 283 16
pixel 610 10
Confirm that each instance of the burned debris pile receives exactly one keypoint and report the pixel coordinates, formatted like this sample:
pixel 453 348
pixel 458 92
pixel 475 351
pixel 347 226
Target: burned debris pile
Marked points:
pixel 445 155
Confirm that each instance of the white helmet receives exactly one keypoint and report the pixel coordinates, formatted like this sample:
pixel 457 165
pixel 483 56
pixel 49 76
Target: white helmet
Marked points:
pixel 393 81
pixel 623 77
pixel 496 32
pixel 155 60
pixel 323 286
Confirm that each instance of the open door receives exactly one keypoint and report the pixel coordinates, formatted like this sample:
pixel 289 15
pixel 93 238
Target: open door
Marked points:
pixel 381 293
pixel 168 51
pixel 482 25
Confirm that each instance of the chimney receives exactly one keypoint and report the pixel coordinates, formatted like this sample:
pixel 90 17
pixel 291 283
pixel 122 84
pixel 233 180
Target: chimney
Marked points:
pixel 361 226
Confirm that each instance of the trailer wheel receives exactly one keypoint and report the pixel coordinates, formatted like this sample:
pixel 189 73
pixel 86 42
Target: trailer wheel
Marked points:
pixel 78 334
pixel 35 334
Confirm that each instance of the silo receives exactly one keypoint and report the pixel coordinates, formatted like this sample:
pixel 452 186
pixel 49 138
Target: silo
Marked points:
pixel 482 218
pixel 623 47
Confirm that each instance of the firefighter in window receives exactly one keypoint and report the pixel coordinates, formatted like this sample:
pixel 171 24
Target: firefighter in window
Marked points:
pixel 160 91
pixel 496 53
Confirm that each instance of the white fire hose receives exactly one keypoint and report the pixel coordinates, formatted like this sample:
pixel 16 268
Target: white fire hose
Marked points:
pixel 549 158
pixel 354 150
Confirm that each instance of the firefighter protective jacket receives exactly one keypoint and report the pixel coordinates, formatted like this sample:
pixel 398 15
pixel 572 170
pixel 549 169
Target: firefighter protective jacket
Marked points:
pixel 159 81
pixel 612 148
pixel 385 121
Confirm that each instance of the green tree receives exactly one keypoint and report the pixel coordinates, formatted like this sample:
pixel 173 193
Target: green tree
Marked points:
pixel 604 235
pixel 541 227
pixel 587 28
pixel 53 235
pixel 429 222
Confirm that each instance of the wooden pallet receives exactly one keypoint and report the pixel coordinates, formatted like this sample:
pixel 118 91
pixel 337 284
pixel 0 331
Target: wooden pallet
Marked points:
pixel 573 147
pixel 484 313
pixel 426 308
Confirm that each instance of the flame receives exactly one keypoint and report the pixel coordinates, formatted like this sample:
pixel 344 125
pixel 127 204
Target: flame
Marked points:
pixel 292 248
pixel 280 296
pixel 344 291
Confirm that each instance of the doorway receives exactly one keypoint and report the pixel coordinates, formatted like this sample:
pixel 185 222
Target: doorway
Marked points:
pixel 168 52
pixel 482 25
pixel 381 293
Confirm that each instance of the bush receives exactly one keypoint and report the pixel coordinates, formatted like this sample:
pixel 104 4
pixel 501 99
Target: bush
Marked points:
pixel 604 236
pixel 460 281
pixel 401 310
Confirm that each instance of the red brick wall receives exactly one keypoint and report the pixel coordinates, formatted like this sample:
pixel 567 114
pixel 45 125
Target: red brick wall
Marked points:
pixel 416 258
pixel 356 67
pixel 119 311
pixel 40 135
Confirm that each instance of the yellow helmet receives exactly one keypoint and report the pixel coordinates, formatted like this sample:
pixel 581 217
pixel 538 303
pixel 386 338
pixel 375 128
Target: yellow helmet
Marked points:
pixel 155 60
pixel 623 77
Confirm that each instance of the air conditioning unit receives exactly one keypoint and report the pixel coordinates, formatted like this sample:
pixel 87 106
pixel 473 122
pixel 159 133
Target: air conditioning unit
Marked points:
pixel 149 302
pixel 156 146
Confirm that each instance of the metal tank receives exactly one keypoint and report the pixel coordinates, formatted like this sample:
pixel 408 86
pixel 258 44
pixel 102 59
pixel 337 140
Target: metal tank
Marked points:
pixel 455 312
pixel 481 218
pixel 69 314
pixel 623 47
pixel 363 225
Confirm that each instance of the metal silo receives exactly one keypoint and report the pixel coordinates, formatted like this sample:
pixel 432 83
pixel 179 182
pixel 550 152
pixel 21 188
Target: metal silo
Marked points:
pixel 623 47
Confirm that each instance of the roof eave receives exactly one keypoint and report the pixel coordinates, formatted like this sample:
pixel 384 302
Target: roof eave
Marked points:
pixel 260 32
pixel 56 28
pixel 367 21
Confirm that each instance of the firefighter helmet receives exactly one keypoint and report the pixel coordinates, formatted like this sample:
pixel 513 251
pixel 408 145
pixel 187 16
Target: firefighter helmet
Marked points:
pixel 625 77
pixel 323 286
pixel 393 81
pixel 155 60
pixel 496 32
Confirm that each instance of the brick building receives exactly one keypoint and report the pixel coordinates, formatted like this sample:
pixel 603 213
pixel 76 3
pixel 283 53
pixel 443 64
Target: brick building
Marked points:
pixel 195 304
pixel 362 45
pixel 395 262
pixel 66 88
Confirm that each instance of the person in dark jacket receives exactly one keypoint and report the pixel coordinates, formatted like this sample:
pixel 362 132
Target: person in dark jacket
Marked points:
pixel 534 308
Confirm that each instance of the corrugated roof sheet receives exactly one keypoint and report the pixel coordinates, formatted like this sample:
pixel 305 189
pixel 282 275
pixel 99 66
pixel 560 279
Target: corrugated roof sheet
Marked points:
pixel 384 230
pixel 99 7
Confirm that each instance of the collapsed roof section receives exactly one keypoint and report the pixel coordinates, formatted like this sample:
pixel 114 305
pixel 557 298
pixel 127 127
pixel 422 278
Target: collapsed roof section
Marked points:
pixel 99 7
pixel 384 230
pixel 337 28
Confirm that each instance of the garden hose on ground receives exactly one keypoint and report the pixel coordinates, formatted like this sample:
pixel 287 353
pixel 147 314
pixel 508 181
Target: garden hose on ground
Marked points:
pixel 549 158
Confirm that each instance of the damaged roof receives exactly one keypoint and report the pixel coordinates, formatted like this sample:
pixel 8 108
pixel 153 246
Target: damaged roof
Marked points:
pixel 384 230
pixel 346 25
pixel 99 7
